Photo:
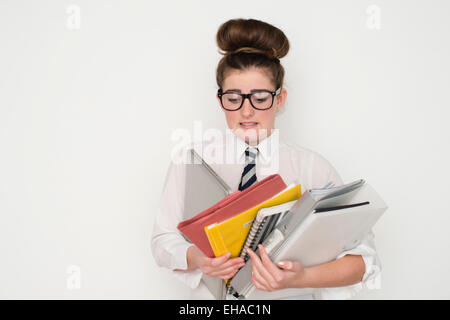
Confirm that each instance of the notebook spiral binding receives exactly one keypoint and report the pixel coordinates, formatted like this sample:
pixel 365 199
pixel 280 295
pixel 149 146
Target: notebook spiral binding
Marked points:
pixel 251 242
pixel 252 237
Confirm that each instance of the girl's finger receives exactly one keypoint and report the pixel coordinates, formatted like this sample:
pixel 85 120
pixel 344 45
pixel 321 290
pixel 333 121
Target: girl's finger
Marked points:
pixel 268 264
pixel 258 279
pixel 223 271
pixel 229 276
pixel 260 268
pixel 220 260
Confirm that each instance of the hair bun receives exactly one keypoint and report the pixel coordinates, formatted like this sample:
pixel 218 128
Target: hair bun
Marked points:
pixel 252 36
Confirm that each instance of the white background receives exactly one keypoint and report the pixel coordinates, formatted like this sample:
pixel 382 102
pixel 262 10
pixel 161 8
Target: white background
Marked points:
pixel 86 117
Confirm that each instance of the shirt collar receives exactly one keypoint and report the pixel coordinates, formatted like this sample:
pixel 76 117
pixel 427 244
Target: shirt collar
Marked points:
pixel 269 146
pixel 241 146
pixel 266 148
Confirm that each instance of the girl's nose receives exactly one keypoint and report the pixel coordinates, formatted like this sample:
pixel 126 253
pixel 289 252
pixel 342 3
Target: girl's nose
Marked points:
pixel 247 109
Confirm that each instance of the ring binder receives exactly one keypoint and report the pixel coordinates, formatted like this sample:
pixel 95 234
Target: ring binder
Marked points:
pixel 314 238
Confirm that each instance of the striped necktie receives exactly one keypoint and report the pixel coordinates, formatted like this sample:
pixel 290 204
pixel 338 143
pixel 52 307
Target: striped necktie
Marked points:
pixel 249 174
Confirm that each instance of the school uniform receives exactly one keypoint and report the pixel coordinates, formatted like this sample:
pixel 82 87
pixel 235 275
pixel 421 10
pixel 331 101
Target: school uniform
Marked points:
pixel 227 157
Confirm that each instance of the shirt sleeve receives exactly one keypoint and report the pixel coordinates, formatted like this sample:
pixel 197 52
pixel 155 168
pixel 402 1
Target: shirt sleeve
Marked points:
pixel 168 246
pixel 366 248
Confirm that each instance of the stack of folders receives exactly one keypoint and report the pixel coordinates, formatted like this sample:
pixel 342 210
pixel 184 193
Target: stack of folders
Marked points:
pixel 322 224
pixel 226 224
pixel 224 227
pixel 314 229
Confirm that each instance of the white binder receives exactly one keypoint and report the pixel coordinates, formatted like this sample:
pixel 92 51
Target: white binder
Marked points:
pixel 312 237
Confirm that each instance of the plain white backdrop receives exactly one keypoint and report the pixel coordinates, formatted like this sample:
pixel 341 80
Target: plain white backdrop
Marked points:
pixel 91 91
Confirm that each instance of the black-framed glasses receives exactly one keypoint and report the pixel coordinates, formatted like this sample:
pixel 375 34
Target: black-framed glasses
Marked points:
pixel 259 99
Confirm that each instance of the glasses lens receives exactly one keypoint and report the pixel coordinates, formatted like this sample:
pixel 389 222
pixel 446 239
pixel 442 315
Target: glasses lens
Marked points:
pixel 262 100
pixel 231 101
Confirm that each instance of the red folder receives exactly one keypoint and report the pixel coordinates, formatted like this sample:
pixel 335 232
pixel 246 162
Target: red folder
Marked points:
pixel 235 203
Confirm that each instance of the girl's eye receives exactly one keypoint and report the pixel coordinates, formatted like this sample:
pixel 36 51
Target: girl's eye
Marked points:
pixel 232 98
pixel 261 96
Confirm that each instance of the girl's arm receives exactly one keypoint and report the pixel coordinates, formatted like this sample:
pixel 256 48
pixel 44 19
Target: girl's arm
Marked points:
pixel 342 272
pixel 267 276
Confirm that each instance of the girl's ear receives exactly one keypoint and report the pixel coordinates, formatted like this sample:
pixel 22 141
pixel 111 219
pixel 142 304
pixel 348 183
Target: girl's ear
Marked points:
pixel 218 101
pixel 281 98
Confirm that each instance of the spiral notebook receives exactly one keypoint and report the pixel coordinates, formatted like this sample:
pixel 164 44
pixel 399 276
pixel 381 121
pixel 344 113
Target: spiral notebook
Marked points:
pixel 265 221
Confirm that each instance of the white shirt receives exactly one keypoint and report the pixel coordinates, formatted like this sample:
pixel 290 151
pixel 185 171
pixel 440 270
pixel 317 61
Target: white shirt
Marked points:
pixel 294 164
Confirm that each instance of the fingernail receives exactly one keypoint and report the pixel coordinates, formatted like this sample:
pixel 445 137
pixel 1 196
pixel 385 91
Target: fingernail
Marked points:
pixel 281 263
pixel 228 254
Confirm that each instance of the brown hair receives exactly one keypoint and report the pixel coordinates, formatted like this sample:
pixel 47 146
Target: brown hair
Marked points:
pixel 247 43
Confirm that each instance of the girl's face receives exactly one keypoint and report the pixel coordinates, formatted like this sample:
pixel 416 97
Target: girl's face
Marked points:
pixel 248 123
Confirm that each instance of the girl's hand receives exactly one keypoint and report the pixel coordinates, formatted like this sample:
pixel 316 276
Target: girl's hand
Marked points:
pixel 269 277
pixel 221 267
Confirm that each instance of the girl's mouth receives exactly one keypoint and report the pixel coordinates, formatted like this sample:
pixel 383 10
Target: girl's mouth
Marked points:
pixel 248 124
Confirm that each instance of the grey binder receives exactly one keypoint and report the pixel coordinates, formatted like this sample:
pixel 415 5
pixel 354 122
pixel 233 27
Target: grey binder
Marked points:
pixel 316 230
pixel 203 189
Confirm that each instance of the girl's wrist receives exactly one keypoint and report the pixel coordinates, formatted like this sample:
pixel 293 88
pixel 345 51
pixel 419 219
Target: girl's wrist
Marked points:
pixel 303 280
pixel 191 258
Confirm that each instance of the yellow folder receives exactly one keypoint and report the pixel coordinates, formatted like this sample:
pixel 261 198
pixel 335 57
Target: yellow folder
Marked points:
pixel 230 235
